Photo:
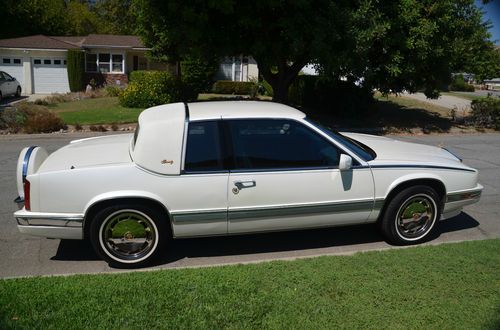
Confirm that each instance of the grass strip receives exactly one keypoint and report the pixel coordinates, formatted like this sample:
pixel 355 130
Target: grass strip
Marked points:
pixel 447 286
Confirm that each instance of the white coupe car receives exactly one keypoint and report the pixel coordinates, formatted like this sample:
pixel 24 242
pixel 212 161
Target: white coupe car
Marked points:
pixel 225 168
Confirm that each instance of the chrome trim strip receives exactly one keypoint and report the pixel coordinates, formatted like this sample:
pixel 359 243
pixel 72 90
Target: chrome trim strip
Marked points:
pixel 424 166
pixel 290 210
pixel 463 195
pixel 27 218
pixel 26 159
pixel 184 136
pixel 201 216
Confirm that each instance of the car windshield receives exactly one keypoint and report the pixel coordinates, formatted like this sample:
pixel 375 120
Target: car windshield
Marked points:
pixel 360 149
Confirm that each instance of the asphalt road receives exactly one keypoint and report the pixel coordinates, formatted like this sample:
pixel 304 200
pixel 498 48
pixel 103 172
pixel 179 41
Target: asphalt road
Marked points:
pixel 24 255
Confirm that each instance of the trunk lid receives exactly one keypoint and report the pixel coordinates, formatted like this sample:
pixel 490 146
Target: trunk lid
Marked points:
pixel 104 150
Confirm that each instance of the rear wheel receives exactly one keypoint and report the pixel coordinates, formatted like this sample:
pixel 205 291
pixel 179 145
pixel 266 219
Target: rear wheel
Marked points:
pixel 129 236
pixel 411 215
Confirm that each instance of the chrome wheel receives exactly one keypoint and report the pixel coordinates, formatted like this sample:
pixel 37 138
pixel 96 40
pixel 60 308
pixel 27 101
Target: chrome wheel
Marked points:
pixel 128 236
pixel 416 217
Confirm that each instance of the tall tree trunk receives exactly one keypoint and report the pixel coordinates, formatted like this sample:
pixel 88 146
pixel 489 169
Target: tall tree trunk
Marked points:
pixel 281 80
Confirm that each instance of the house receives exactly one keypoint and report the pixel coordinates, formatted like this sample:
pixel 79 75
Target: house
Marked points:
pixel 492 84
pixel 39 62
pixel 238 68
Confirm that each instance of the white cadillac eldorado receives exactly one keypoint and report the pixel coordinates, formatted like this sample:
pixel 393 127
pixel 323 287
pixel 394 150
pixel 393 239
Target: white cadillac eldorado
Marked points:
pixel 224 168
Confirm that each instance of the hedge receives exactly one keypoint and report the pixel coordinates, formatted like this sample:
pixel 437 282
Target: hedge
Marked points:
pixel 485 112
pixel 150 88
pixel 76 70
pixel 458 84
pixel 234 87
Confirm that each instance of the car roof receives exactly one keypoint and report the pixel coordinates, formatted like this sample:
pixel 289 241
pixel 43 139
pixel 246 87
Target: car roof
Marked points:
pixel 241 109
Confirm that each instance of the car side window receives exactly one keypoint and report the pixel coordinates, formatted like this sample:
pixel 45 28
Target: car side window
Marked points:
pixel 279 144
pixel 2 78
pixel 203 148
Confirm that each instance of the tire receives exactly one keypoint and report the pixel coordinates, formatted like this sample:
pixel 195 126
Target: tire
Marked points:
pixel 129 236
pixel 411 215
pixel 18 91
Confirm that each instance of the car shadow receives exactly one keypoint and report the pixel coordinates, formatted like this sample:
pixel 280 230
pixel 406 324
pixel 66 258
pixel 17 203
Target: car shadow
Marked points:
pixel 75 250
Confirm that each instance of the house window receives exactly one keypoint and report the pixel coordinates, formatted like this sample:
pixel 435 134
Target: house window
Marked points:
pixel 47 61
pixel 117 63
pixel 104 62
pixel 57 62
pixel 17 61
pixel 6 61
pixel 37 61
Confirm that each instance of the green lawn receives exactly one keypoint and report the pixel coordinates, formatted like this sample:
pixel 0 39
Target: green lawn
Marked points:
pixel 103 110
pixel 466 96
pixel 439 287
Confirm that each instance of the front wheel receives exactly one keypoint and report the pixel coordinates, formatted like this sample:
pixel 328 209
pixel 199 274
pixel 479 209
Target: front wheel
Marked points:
pixel 129 236
pixel 411 215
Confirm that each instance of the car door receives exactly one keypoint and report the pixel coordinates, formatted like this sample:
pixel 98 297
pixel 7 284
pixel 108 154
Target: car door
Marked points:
pixel 202 187
pixel 285 175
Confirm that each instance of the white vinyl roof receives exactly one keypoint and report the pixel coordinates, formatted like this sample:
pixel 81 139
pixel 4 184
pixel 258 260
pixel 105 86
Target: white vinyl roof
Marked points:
pixel 241 109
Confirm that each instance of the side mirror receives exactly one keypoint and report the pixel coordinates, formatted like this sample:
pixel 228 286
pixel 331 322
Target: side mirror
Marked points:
pixel 345 162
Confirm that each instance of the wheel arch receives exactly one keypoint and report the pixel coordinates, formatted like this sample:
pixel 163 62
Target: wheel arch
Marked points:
pixel 433 182
pixel 102 202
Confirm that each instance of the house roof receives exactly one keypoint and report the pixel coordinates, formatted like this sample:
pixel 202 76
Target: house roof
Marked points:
pixel 103 40
pixel 68 42
pixel 37 42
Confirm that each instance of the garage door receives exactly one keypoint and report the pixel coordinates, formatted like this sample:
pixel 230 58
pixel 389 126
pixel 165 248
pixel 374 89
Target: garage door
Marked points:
pixel 14 67
pixel 50 76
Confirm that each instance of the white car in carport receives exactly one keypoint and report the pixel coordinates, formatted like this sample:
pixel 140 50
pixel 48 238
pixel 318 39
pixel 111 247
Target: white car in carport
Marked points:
pixel 226 168
pixel 9 86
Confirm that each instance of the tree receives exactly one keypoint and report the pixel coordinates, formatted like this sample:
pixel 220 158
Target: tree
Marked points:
pixel 28 17
pixel 391 45
pixel 116 16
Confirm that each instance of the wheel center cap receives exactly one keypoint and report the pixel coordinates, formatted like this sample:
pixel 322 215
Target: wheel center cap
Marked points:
pixel 416 216
pixel 128 236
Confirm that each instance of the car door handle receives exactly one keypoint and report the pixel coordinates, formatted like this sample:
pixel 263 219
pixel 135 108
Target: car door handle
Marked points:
pixel 245 184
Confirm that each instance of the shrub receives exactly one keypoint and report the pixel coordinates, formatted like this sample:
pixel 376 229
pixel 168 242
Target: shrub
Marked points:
pixel 12 120
pixel 76 70
pixel 150 88
pixel 78 127
pixel 31 118
pixel 458 84
pixel 486 112
pixel 328 95
pixel 267 90
pixel 113 91
pixel 197 76
pixel 234 87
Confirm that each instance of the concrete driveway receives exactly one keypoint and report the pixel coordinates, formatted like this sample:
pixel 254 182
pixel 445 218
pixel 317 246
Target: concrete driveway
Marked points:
pixel 445 101
pixel 24 255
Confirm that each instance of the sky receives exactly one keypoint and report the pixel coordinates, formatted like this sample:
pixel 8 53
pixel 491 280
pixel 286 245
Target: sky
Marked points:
pixel 492 13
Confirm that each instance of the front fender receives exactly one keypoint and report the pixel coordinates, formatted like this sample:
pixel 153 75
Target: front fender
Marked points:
pixel 413 176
